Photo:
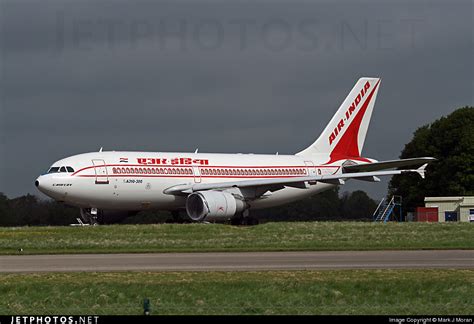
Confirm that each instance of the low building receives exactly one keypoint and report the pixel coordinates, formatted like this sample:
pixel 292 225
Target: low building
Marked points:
pixel 452 209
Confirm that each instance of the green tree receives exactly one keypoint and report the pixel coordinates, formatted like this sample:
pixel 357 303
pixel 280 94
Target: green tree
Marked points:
pixel 449 139
pixel 25 209
pixel 325 206
pixel 357 205
pixel 4 214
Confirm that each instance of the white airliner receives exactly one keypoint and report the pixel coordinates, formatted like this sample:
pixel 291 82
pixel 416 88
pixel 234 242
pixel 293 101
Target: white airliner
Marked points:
pixel 221 187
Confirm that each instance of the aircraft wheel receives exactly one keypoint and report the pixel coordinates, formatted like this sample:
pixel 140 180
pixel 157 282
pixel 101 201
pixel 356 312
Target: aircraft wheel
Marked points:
pixel 88 218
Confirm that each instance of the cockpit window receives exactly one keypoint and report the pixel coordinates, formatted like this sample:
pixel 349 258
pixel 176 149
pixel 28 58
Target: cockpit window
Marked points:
pixel 53 170
pixel 63 169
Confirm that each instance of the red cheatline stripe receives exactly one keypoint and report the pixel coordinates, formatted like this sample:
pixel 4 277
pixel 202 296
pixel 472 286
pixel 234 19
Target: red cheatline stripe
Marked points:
pixel 181 176
pixel 202 166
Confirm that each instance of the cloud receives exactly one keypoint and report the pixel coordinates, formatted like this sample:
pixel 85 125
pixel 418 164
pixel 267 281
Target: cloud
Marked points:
pixel 222 76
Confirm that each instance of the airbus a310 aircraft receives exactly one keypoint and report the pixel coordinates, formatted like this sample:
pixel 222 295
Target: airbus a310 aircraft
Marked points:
pixel 222 187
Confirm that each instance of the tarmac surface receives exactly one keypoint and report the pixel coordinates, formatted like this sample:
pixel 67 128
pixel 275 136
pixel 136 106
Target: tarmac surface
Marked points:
pixel 240 261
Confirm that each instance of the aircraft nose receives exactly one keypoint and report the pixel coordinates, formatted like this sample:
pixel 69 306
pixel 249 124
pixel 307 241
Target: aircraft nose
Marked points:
pixel 43 184
pixel 46 184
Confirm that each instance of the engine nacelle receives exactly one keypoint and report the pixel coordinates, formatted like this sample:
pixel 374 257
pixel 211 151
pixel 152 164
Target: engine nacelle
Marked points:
pixel 213 206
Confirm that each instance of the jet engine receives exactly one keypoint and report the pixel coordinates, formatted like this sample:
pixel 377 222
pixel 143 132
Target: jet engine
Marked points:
pixel 213 206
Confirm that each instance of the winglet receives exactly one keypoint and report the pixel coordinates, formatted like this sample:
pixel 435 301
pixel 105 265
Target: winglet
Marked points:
pixel 421 170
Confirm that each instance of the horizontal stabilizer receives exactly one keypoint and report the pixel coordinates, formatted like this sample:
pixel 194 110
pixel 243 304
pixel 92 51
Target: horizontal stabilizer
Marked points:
pixel 383 165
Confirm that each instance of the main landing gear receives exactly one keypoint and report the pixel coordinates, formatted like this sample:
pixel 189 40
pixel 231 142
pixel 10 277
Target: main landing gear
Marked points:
pixel 90 216
pixel 244 219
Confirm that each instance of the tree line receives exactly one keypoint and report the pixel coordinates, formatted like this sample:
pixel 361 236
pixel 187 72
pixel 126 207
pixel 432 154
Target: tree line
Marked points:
pixel 29 210
pixel 450 140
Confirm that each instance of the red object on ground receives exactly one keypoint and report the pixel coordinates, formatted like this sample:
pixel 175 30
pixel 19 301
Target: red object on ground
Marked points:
pixel 426 214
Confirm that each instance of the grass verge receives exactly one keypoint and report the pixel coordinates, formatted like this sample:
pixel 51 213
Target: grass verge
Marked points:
pixel 213 237
pixel 407 292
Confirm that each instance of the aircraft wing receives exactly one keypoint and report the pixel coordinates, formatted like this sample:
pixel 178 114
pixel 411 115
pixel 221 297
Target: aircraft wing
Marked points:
pixel 383 165
pixel 297 182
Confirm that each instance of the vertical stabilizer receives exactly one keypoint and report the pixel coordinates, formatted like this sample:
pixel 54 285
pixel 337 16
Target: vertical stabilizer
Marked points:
pixel 344 136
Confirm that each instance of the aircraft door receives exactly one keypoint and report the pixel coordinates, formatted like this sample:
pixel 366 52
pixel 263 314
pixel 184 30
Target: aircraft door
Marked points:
pixel 311 170
pixel 101 175
pixel 197 174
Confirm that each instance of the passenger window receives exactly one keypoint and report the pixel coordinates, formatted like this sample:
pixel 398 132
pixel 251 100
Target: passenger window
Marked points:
pixel 63 169
pixel 69 169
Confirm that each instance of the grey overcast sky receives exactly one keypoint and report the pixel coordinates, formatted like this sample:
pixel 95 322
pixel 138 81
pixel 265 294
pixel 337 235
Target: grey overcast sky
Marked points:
pixel 221 76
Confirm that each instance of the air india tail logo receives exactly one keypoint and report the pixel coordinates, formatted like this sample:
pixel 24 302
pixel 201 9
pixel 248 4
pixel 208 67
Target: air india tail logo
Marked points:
pixel 348 114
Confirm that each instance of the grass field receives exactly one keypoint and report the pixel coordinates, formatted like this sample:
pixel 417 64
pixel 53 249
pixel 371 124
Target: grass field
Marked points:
pixel 213 237
pixel 275 292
